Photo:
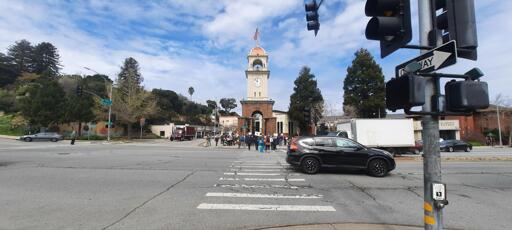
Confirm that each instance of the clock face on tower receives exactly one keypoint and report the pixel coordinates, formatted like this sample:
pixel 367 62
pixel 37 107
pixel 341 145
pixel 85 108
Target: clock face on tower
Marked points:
pixel 257 82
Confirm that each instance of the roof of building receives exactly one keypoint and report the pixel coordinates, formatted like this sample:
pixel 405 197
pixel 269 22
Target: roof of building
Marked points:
pixel 279 111
pixel 257 51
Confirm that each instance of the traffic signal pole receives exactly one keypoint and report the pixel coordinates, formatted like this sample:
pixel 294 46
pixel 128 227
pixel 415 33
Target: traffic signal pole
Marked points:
pixel 430 133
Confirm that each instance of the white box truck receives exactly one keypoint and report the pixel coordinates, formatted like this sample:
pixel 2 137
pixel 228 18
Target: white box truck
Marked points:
pixel 393 135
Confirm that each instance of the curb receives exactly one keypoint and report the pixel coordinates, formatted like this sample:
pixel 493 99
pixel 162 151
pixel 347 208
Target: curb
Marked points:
pixel 9 137
pixel 454 159
pixel 345 226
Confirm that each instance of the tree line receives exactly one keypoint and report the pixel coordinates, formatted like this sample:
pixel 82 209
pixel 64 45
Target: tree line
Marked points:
pixel 33 89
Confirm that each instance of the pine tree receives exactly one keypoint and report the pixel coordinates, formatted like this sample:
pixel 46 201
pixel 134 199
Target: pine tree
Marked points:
pixel 43 103
pixel 305 94
pixel 8 74
pixel 21 56
pixel 130 101
pixel 46 58
pixel 364 87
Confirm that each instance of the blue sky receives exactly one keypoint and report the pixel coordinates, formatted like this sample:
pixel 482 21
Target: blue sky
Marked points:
pixel 204 43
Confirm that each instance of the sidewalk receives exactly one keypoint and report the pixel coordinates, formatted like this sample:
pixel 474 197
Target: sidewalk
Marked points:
pixel 9 137
pixel 347 226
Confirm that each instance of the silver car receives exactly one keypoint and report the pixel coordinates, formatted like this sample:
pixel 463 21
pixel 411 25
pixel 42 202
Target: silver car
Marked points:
pixel 42 136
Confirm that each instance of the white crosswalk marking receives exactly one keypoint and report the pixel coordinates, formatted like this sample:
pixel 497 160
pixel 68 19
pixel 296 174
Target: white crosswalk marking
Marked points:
pixel 261 179
pixel 249 195
pixel 257 166
pixel 266 207
pixel 252 174
pixel 257 170
pixel 255 186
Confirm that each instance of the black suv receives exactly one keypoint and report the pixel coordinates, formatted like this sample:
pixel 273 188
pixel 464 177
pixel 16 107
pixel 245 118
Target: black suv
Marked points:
pixel 312 153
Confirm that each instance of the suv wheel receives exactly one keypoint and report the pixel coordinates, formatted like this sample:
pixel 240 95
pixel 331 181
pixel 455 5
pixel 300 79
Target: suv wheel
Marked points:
pixel 28 139
pixel 378 168
pixel 467 149
pixel 450 149
pixel 54 140
pixel 310 165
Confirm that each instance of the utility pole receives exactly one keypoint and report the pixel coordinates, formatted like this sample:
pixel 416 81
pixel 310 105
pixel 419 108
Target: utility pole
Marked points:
pixel 499 123
pixel 430 123
pixel 109 97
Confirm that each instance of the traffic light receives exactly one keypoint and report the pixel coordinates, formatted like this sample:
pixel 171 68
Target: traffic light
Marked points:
pixel 466 95
pixel 307 114
pixel 390 24
pixel 456 21
pixel 405 92
pixel 312 16
pixel 79 90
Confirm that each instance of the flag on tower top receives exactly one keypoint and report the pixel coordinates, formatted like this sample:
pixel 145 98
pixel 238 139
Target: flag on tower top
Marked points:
pixel 256 34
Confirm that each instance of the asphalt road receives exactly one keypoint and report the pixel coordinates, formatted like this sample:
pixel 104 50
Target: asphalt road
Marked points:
pixel 162 185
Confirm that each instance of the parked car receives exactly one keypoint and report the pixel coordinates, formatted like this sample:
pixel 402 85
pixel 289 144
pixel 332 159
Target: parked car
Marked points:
pixel 313 153
pixel 454 145
pixel 47 136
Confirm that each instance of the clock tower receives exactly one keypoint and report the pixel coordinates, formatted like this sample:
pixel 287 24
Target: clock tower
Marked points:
pixel 257 74
pixel 257 116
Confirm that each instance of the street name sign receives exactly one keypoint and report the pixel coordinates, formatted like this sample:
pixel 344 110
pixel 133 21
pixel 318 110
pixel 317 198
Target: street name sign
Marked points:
pixel 106 102
pixel 440 57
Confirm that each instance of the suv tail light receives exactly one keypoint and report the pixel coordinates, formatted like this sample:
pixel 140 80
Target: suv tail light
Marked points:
pixel 293 145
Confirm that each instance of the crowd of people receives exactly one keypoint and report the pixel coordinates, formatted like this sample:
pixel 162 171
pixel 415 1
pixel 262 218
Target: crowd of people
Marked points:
pixel 259 143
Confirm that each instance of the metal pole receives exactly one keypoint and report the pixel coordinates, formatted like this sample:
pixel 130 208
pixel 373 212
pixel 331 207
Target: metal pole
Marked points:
pixel 430 132
pixel 499 123
pixel 110 113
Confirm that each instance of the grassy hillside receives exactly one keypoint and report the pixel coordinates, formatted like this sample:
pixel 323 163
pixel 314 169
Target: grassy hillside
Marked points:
pixel 5 127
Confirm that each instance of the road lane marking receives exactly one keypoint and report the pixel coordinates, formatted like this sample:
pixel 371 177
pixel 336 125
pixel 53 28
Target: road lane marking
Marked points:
pixel 260 162
pixel 258 186
pixel 252 174
pixel 251 195
pixel 266 207
pixel 261 179
pixel 258 166
pixel 258 170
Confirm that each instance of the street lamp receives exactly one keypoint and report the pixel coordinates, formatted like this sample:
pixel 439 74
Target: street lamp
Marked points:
pixel 110 98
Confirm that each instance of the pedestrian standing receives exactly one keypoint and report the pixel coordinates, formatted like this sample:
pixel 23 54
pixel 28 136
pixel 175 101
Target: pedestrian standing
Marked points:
pixel 73 136
pixel 248 141
pixel 261 145
pixel 242 140
pixel 285 139
pixel 216 140
pixel 208 140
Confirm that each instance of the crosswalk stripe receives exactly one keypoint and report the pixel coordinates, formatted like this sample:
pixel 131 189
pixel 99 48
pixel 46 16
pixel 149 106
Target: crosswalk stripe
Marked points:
pixel 252 174
pixel 266 207
pixel 257 166
pixel 251 195
pixel 261 179
pixel 256 186
pixel 258 170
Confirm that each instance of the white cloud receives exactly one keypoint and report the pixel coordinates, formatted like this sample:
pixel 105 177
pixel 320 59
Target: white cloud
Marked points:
pixel 100 34
pixel 239 19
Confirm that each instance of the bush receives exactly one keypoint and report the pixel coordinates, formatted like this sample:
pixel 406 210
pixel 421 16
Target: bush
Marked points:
pixel 475 143
pixel 6 126
pixel 92 138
